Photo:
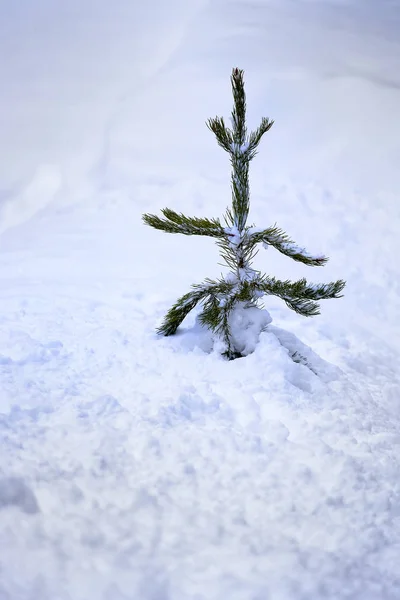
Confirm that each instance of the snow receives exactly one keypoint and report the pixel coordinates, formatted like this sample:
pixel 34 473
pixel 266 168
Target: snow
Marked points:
pixel 294 248
pixel 137 467
pixel 288 246
pixel 235 237
pixel 246 323
pixel 239 148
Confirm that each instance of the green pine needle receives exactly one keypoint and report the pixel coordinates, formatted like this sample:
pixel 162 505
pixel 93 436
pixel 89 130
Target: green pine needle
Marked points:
pixel 179 223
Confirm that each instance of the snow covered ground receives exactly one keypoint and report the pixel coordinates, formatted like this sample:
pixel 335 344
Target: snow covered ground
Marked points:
pixel 139 468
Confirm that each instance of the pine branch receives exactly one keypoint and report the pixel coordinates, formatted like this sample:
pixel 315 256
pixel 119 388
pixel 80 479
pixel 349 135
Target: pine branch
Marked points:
pixel 302 289
pixel 239 108
pixel 229 218
pixel 179 223
pixel 189 301
pixel 216 313
pixel 305 308
pixel 232 252
pixel 222 133
pixel 280 241
pixel 239 152
pixel 240 192
pixel 179 311
pixel 300 296
pixel 255 136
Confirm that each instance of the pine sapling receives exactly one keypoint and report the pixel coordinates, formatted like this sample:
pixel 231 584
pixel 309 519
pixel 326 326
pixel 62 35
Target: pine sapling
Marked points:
pixel 241 289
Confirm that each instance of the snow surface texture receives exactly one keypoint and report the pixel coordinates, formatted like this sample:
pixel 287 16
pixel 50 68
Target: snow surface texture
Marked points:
pixel 138 468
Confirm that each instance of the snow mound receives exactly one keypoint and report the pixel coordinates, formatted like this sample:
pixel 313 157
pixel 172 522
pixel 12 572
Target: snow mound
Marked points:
pixel 246 325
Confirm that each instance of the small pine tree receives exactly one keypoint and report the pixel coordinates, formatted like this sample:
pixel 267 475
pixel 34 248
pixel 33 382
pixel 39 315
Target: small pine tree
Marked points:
pixel 243 286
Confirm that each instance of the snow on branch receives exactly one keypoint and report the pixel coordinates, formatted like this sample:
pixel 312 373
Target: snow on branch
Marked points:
pixel 234 236
pixel 239 149
pixel 275 237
